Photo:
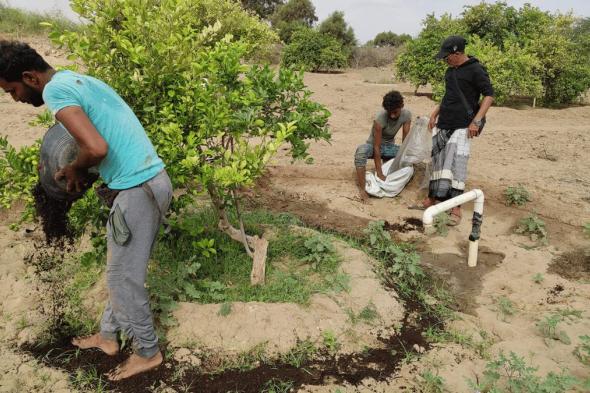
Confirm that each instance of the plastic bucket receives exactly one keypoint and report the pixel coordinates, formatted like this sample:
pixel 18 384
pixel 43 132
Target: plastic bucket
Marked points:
pixel 58 149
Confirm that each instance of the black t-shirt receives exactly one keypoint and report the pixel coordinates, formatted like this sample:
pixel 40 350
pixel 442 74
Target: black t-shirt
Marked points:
pixel 474 81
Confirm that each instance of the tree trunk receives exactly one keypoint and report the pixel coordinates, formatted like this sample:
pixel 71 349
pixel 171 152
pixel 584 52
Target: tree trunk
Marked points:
pixel 255 246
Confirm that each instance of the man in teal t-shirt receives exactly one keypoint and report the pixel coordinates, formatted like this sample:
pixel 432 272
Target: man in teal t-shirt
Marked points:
pixel 111 138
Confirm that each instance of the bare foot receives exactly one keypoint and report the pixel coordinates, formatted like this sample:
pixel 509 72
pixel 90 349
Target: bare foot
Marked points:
pixel 364 197
pixel 428 202
pixel 455 216
pixel 134 365
pixel 109 347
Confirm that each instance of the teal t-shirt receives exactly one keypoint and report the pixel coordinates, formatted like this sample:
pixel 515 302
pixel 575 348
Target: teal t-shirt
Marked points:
pixel 131 158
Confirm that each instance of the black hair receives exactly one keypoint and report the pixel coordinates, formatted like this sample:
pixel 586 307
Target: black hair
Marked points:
pixel 393 100
pixel 18 57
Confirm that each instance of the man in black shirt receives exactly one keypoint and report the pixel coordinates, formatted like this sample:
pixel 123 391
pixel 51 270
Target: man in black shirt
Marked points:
pixel 457 119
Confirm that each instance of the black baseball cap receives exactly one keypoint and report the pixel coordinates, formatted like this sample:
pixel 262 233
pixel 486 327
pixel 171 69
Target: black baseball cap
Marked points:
pixel 451 44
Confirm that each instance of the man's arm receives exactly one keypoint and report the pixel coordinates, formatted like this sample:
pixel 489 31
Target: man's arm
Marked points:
pixel 92 146
pixel 433 117
pixel 406 129
pixel 377 134
pixel 486 103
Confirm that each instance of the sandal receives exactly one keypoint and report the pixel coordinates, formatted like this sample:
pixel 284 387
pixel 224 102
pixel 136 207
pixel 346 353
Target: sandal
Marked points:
pixel 418 206
pixel 454 220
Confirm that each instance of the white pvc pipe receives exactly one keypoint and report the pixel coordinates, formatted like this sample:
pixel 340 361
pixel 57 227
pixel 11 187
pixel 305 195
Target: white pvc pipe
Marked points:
pixel 432 211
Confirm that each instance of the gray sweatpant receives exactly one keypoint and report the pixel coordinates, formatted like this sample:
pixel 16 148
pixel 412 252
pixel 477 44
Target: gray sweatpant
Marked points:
pixel 128 308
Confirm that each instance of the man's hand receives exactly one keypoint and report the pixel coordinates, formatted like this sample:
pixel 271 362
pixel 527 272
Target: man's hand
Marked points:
pixel 432 122
pixel 76 179
pixel 472 131
pixel 380 175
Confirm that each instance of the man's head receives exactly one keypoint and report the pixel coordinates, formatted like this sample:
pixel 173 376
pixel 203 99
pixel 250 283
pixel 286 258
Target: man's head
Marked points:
pixel 393 102
pixel 22 72
pixel 452 50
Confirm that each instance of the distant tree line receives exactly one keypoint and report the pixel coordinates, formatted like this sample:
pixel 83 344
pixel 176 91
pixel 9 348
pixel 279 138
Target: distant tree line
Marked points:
pixel 323 47
pixel 527 51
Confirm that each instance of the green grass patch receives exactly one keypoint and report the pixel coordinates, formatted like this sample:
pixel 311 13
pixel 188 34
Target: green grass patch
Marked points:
pixel 21 22
pixel 196 262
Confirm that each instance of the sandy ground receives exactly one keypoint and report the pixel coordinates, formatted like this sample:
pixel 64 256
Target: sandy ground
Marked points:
pixel 514 149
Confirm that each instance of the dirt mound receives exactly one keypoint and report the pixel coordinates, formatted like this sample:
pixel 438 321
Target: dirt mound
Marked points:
pixel 279 326
pixel 573 265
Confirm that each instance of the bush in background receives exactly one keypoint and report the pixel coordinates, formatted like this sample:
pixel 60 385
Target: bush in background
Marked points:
pixel 389 38
pixel 313 51
pixel 366 56
pixel 292 16
pixel 528 52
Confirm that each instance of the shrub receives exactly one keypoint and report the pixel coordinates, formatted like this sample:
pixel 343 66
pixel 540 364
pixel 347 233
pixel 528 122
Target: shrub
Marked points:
pixel 18 175
pixel 417 65
pixel 311 50
pixel 214 120
pixel 292 16
pixel 514 70
pixel 388 38
pixel 373 57
pixel 540 54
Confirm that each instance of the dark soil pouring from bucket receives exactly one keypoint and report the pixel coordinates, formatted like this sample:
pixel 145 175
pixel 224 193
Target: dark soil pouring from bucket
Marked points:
pixel 53 214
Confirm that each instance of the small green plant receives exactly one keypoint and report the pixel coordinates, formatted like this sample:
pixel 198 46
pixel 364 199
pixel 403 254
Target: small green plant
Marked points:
pixel 301 353
pixel 548 329
pixel 538 278
pixel 586 229
pixel 224 309
pixel 441 223
pixel 430 382
pixel 321 251
pixel 277 386
pixel 330 341
pixel 481 345
pixel 517 195
pixel 533 227
pixel 368 314
pixel 512 374
pixel 582 350
pixel 505 307
pixel 44 119
pixel 247 360
pixel 89 380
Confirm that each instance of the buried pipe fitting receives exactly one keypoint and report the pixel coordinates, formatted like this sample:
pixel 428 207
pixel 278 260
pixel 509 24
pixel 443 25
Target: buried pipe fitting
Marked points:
pixel 478 197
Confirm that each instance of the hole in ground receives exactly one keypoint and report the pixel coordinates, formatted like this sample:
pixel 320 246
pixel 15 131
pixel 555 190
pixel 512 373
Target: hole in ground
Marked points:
pixel 464 282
